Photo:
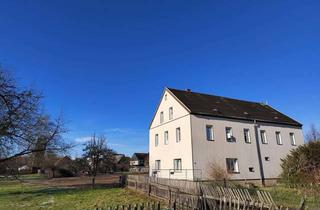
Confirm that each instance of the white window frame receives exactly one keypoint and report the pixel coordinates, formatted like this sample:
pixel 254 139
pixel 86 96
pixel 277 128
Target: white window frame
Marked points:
pixel 177 165
pixel 156 140
pixel 278 138
pixel 263 136
pixel 178 134
pixel 209 133
pixel 157 165
pixel 229 135
pixel 161 117
pixel 246 134
pixel 166 138
pixel 232 165
pixel 170 113
pixel 292 139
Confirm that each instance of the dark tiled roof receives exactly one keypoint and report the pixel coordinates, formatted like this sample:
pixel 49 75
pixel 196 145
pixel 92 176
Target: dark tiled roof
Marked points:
pixel 217 106
pixel 140 155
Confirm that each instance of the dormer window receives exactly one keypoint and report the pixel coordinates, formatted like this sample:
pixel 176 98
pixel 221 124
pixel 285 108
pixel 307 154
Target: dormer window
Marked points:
pixel 170 113
pixel 161 117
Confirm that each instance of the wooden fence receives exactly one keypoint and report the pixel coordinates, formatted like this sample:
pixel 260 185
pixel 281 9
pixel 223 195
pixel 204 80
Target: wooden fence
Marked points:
pixel 181 194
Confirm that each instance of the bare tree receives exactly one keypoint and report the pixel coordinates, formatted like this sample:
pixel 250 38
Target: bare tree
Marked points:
pixel 313 134
pixel 24 128
pixel 97 153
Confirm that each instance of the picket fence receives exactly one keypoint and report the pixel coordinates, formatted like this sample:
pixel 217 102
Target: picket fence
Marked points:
pixel 182 194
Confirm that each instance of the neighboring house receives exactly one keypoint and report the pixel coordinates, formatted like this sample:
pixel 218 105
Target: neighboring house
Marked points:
pixel 60 168
pixel 118 157
pixel 139 162
pixel 190 131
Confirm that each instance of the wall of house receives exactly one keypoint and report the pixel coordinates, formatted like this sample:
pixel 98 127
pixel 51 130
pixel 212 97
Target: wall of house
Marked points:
pixel 173 150
pixel 207 152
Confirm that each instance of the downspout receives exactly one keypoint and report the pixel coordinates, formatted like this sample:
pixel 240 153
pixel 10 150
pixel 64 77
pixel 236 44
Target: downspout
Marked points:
pixel 256 126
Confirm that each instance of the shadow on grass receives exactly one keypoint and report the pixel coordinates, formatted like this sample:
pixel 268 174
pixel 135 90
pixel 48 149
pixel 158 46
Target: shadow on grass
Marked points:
pixel 57 190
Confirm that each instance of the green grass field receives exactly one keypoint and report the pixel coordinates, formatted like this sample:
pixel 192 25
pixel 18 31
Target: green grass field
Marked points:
pixel 16 195
pixel 290 197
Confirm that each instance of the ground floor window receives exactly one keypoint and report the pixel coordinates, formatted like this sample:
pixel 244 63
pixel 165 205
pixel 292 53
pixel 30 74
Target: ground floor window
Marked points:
pixel 157 165
pixel 177 165
pixel 232 165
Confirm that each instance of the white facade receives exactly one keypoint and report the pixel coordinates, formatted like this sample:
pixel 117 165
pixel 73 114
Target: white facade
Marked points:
pixel 189 156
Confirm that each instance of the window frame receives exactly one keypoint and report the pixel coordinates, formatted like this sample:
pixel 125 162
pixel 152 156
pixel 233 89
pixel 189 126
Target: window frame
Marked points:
pixel 293 139
pixel 247 136
pixel 178 137
pixel 236 169
pixel 179 169
pixel 232 139
pixel 156 140
pixel 264 139
pixel 157 165
pixel 278 138
pixel 166 137
pixel 170 113
pixel 161 117
pixel 210 132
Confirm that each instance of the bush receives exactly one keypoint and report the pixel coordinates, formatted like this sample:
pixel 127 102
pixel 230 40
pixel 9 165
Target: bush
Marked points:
pixel 302 165
pixel 217 172
pixel 65 173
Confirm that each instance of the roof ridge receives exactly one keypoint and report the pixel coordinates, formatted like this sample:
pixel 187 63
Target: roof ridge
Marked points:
pixel 207 94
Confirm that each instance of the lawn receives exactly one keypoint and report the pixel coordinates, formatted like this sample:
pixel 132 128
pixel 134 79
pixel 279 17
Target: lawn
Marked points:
pixel 290 197
pixel 17 195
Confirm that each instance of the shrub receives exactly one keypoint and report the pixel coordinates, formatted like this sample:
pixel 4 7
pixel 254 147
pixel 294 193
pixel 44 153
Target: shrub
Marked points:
pixel 302 165
pixel 217 172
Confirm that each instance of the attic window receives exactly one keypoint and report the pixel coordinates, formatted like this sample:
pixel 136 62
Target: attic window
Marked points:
pixel 214 109
pixel 165 97
pixel 246 113
pixel 276 118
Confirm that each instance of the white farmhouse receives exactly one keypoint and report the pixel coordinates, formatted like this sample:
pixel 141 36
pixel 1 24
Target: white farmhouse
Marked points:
pixel 191 131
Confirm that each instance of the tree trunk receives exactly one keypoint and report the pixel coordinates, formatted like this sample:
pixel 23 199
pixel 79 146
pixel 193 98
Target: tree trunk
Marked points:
pixel 93 181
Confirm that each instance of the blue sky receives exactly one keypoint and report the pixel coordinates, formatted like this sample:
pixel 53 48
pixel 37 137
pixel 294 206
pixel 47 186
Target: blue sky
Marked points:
pixel 104 64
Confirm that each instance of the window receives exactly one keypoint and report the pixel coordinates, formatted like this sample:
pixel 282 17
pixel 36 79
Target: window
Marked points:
pixel 232 165
pixel 263 137
pixel 293 139
pixel 209 132
pixel 178 135
pixel 161 117
pixel 246 133
pixel 166 137
pixel 170 113
pixel 156 140
pixel 278 138
pixel 157 165
pixel 165 97
pixel 229 136
pixel 177 166
pixel 251 169
pixel 267 158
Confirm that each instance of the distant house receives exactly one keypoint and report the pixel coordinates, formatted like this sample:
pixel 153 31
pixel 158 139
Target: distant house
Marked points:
pixel 191 131
pixel 139 162
pixel 60 168
pixel 118 157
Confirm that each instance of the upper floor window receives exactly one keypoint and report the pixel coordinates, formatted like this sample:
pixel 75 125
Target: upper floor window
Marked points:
pixel 166 137
pixel 246 133
pixel 178 134
pixel 209 132
pixel 170 113
pixel 263 137
pixel 278 138
pixel 161 117
pixel 156 140
pixel 232 165
pixel 157 165
pixel 229 136
pixel 177 164
pixel 293 139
